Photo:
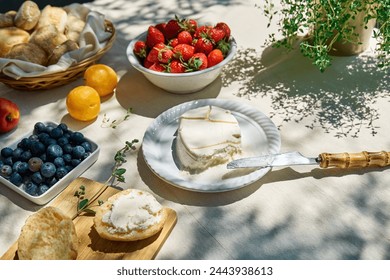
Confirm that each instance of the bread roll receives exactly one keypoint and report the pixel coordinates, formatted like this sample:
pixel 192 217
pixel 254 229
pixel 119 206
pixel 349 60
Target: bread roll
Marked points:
pixel 11 13
pixel 48 38
pixel 74 26
pixel 59 51
pixel 129 215
pixel 53 16
pixel 27 16
pixel 6 20
pixel 48 235
pixel 28 52
pixel 11 36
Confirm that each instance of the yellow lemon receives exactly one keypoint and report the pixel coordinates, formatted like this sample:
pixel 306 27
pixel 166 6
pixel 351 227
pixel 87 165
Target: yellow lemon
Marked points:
pixel 102 78
pixel 83 103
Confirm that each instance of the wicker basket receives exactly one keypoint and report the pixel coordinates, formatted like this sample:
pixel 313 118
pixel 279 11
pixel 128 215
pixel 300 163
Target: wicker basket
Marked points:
pixel 53 80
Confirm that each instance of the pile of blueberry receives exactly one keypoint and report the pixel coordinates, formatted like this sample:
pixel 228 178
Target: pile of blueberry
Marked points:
pixel 42 159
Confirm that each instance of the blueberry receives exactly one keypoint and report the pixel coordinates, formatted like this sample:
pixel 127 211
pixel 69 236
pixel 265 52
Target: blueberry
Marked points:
pixel 31 188
pixel 20 167
pixel 61 172
pixel 39 127
pixel 62 141
pixel 33 137
pixel 16 179
pixel 42 189
pixel 15 166
pixel 59 162
pixel 43 157
pixel 48 169
pixel 25 143
pixel 6 152
pixel 51 181
pixel 56 133
pixel 75 162
pixel 67 134
pixel 86 155
pixel 43 136
pixel 34 164
pixel 67 158
pixel 49 141
pixel 54 151
pixel 25 156
pixel 8 161
pixel 49 128
pixel 63 126
pixel 17 153
pixel 26 178
pixel 67 148
pixel 69 168
pixel 37 148
pixel 6 170
pixel 87 146
pixel 77 137
pixel 78 152
pixel 37 178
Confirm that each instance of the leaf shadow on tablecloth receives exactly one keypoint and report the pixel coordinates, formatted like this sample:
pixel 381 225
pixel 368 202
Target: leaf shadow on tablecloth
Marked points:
pixel 341 101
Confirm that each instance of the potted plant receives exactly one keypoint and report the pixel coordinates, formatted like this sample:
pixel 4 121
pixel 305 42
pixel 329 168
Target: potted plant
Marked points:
pixel 326 27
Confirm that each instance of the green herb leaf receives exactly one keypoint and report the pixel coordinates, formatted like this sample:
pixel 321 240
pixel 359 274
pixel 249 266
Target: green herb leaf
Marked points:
pixel 83 204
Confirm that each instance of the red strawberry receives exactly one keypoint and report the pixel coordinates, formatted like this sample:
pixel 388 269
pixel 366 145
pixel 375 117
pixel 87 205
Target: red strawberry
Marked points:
pixel 160 53
pixel 184 37
pixel 157 67
pixel 176 66
pixel 154 52
pixel 202 31
pixel 198 62
pixel 165 55
pixel 173 42
pixel 216 35
pixel 154 36
pixel 140 49
pixel 192 25
pixel 147 63
pixel 161 26
pixel 183 51
pixel 214 57
pixel 225 27
pixel 203 45
pixel 172 28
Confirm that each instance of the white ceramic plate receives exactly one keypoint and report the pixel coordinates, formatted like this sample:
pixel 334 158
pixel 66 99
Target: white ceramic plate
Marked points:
pixel 61 184
pixel 259 136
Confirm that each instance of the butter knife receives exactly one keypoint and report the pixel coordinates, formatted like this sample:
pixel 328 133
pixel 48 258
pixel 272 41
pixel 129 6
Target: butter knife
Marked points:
pixel 324 160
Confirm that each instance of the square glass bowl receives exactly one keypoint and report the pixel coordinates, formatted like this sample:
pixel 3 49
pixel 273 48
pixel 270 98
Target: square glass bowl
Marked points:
pixel 62 183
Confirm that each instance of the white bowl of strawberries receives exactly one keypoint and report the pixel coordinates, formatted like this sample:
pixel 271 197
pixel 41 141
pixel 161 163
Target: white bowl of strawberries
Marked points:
pixel 181 56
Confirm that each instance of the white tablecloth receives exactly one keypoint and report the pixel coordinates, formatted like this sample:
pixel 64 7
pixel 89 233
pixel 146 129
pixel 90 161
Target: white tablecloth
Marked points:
pixel 300 212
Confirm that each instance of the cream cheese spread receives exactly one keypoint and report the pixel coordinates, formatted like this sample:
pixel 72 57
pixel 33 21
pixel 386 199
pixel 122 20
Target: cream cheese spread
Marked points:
pixel 134 211
pixel 207 136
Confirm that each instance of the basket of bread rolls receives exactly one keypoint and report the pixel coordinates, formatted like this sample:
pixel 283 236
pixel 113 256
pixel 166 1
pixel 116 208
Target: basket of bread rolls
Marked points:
pixel 49 47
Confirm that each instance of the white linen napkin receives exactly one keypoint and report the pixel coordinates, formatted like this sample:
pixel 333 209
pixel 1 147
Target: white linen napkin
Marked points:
pixel 92 39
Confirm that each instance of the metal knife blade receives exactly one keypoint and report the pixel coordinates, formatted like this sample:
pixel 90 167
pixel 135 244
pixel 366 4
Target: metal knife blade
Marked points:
pixel 271 160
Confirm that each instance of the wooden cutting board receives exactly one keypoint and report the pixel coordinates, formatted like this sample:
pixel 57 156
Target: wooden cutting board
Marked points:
pixel 92 246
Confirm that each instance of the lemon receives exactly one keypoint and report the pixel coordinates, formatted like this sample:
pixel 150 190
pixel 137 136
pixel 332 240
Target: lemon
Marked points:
pixel 102 78
pixel 83 103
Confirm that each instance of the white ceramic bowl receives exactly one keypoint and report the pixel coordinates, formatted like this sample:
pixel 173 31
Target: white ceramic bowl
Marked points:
pixel 180 83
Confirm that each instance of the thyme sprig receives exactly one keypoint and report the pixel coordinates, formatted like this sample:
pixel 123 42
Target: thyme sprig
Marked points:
pixel 83 202
pixel 117 174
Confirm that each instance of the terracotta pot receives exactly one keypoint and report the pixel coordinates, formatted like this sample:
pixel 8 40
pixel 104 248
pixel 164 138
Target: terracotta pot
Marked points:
pixel 342 48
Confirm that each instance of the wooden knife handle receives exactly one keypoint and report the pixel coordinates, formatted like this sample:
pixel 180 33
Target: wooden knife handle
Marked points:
pixel 348 160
